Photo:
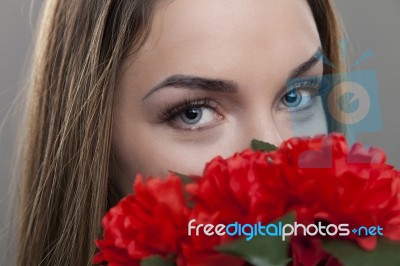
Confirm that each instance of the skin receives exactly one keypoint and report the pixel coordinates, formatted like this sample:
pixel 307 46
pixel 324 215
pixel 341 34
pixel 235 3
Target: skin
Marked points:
pixel 255 45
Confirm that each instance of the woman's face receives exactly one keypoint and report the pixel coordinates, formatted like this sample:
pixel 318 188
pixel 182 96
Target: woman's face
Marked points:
pixel 212 75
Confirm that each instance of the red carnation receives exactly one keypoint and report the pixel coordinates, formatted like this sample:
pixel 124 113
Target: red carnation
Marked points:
pixel 244 188
pixel 327 182
pixel 151 222
pixel 318 178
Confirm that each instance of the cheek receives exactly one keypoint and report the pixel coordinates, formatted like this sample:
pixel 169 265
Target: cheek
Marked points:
pixel 150 150
pixel 152 155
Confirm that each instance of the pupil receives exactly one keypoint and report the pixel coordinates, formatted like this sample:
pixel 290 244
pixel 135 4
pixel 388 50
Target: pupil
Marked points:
pixel 192 114
pixel 291 97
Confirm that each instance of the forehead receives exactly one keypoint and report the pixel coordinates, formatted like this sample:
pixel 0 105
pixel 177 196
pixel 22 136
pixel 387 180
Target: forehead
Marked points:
pixel 214 37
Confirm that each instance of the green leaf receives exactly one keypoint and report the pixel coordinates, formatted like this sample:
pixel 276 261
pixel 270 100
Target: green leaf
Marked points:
pixel 156 261
pixel 262 250
pixel 184 178
pixel 387 253
pixel 258 145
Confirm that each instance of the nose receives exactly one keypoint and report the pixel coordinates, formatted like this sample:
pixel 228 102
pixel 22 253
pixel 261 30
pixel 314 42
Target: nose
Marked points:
pixel 266 132
pixel 261 128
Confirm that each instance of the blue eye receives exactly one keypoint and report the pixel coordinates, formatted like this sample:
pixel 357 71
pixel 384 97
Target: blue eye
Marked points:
pixel 301 93
pixel 191 116
pixel 292 98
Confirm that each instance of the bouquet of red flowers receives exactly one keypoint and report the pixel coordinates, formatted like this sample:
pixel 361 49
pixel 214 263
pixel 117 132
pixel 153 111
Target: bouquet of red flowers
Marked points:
pixel 312 201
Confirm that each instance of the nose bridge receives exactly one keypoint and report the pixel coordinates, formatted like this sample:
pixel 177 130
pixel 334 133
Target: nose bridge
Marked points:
pixel 263 127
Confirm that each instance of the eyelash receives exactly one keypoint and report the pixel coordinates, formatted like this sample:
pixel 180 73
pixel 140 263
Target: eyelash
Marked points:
pixel 172 111
pixel 316 86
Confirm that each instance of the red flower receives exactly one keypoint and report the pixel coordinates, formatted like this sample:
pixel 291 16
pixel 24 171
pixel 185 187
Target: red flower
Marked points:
pixel 319 178
pixel 151 222
pixel 244 188
pixel 307 251
pixel 333 184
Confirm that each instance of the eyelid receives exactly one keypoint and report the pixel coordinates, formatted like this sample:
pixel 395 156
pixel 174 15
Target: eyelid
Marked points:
pixel 301 107
pixel 317 84
pixel 194 128
pixel 172 112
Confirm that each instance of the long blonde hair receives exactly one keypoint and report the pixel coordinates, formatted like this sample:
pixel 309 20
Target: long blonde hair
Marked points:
pixel 65 185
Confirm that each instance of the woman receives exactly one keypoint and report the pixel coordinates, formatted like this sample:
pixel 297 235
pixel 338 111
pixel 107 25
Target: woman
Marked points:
pixel 120 87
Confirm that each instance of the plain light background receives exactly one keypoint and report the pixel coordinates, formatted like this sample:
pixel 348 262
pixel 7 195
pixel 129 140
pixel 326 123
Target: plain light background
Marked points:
pixel 370 24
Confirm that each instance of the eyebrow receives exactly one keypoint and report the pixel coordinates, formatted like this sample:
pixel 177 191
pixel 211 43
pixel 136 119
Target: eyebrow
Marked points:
pixel 191 82
pixel 220 85
pixel 306 66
